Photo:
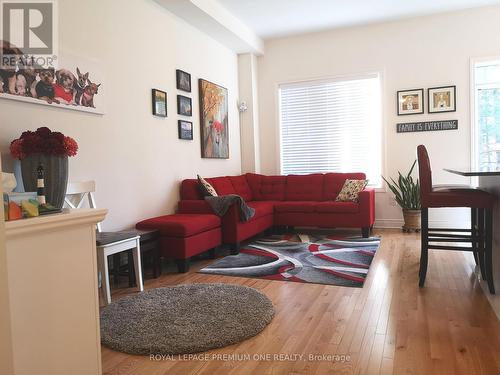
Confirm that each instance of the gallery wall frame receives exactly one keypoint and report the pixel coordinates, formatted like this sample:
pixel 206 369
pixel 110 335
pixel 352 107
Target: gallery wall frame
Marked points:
pixel 183 80
pixel 159 102
pixel 185 129
pixel 184 105
pixel 442 99
pixel 410 102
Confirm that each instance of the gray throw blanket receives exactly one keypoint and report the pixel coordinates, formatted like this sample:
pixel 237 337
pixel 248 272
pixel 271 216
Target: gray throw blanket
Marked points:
pixel 221 204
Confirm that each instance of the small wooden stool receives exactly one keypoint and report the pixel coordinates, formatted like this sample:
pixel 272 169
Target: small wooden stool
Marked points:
pixel 112 243
pixel 150 247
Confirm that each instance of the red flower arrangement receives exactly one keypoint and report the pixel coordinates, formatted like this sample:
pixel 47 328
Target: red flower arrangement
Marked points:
pixel 43 141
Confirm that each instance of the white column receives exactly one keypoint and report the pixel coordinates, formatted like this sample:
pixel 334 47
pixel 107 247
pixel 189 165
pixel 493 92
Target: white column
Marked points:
pixel 249 119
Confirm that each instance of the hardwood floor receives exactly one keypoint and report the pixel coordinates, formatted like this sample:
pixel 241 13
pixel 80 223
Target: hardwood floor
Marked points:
pixel 389 326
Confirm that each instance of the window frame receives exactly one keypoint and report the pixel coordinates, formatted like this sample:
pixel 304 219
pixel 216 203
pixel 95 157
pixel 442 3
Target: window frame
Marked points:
pixel 338 78
pixel 474 116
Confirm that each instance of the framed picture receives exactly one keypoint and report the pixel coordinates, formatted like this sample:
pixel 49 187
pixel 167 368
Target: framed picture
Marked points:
pixel 159 103
pixel 183 80
pixel 185 130
pixel 410 102
pixel 184 106
pixel 214 132
pixel 442 99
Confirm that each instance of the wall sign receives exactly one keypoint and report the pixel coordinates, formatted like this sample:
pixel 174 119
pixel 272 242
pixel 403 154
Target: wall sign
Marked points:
pixel 427 126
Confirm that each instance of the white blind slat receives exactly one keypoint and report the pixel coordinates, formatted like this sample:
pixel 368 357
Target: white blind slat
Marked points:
pixel 332 126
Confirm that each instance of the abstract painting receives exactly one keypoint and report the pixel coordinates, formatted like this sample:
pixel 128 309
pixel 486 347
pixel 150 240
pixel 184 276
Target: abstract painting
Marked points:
pixel 213 120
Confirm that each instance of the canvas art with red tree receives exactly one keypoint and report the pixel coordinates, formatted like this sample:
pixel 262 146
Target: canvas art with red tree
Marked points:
pixel 213 120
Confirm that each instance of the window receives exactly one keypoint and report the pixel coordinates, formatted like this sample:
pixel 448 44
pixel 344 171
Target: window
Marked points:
pixel 486 137
pixel 332 126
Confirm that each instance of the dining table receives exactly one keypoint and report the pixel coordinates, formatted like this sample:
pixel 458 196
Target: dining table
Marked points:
pixel 489 181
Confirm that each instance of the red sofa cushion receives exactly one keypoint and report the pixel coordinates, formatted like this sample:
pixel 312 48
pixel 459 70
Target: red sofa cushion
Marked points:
pixel 194 206
pixel 262 208
pixel 333 182
pixel 337 207
pixel 222 185
pixel 297 206
pixel 304 187
pixel 241 187
pixel 181 225
pixel 267 188
pixel 189 190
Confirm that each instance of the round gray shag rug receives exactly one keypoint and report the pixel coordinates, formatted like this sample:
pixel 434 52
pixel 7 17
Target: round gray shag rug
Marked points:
pixel 184 319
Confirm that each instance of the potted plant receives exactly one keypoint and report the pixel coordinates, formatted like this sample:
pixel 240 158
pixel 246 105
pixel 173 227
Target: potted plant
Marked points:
pixel 51 150
pixel 407 193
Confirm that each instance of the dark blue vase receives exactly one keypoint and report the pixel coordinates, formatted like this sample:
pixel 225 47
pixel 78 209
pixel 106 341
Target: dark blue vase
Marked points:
pixel 56 176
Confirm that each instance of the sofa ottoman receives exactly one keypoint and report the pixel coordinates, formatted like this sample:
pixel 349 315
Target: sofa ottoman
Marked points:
pixel 185 235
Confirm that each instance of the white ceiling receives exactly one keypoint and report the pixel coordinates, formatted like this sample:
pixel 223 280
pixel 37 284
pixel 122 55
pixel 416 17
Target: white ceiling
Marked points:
pixel 275 18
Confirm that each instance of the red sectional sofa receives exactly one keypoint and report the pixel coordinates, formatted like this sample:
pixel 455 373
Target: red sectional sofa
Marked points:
pixel 293 200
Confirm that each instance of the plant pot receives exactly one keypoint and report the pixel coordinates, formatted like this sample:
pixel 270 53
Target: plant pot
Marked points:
pixel 412 220
pixel 56 176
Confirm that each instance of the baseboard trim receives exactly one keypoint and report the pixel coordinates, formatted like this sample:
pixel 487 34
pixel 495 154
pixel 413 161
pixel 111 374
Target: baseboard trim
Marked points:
pixel 388 223
pixel 398 223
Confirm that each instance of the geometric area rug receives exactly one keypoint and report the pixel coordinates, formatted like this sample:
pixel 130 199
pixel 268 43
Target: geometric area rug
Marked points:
pixel 307 258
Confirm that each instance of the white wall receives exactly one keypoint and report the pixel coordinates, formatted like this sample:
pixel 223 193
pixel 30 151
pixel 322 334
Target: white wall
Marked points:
pixel 414 53
pixel 136 159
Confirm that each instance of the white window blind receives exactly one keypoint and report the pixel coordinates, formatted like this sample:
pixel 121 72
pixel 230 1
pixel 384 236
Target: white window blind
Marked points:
pixel 332 126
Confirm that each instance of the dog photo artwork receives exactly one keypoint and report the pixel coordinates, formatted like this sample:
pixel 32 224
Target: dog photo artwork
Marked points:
pixel 62 87
pixel 442 99
pixel 410 102
pixel 213 120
